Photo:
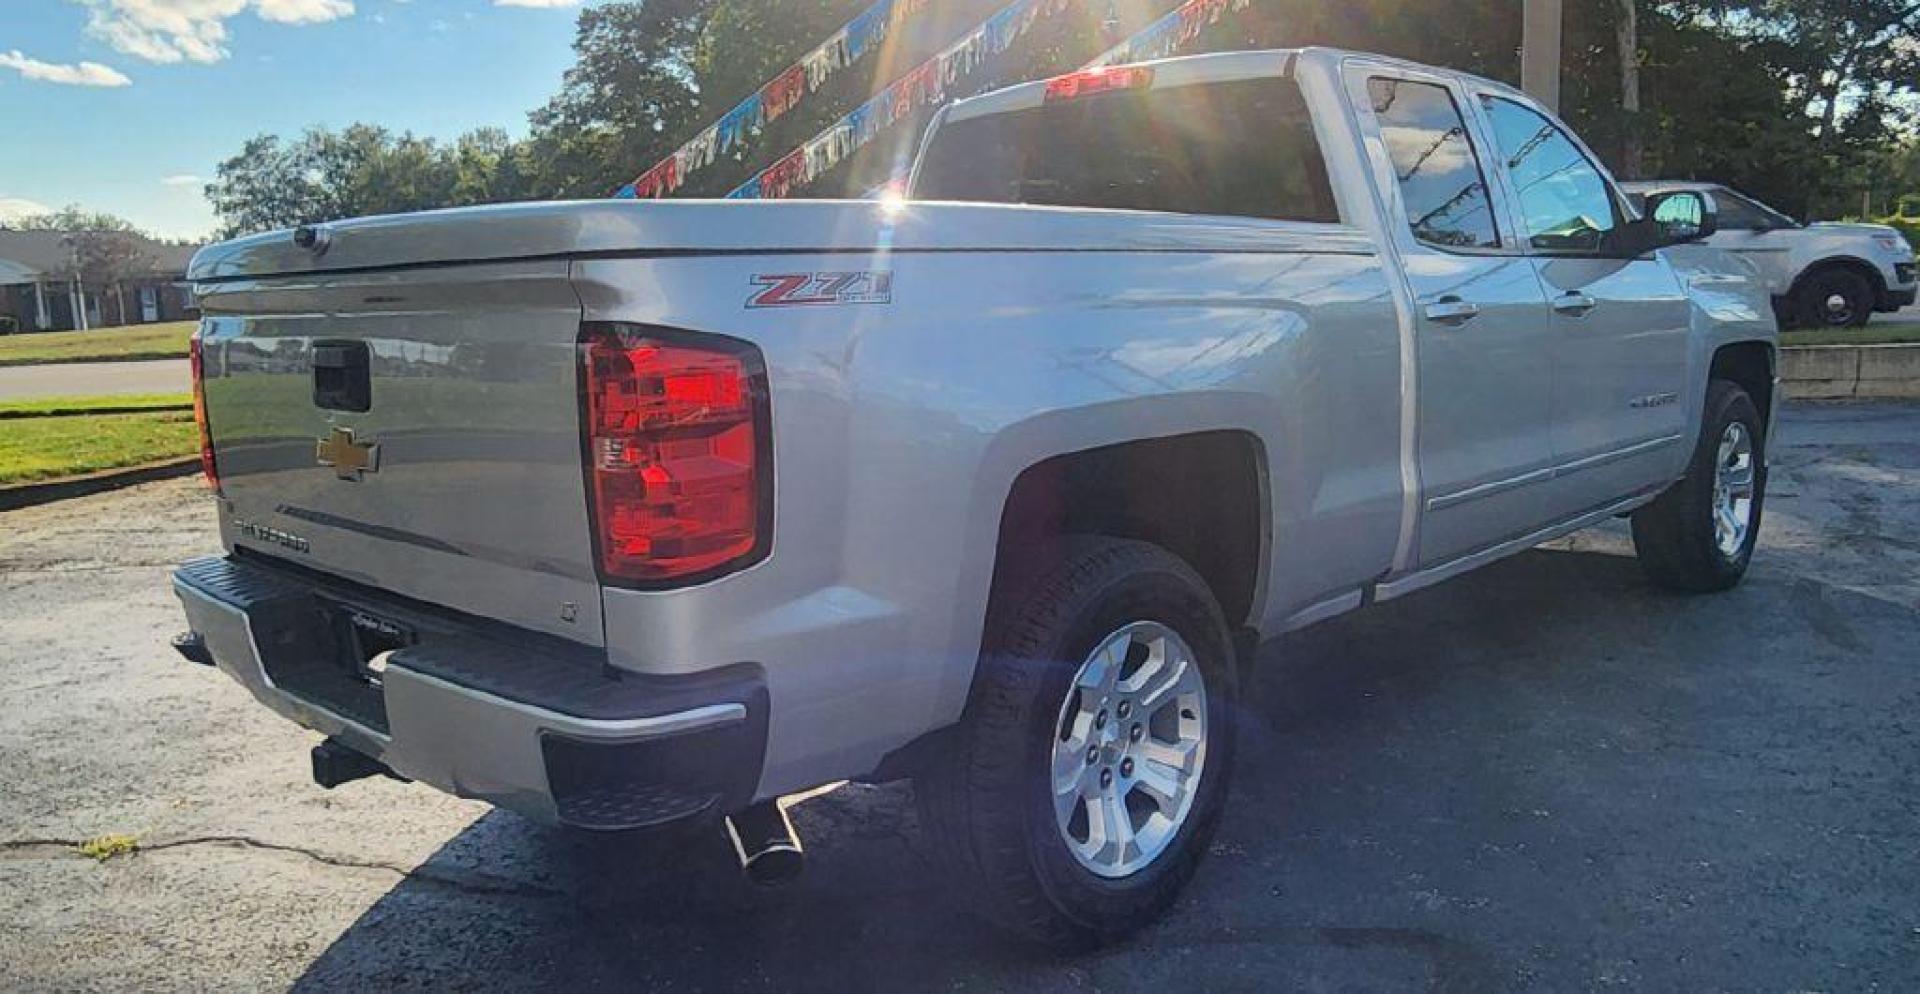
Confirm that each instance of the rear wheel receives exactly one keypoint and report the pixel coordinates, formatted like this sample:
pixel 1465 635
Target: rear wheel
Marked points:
pixel 1089 770
pixel 1835 298
pixel 1699 535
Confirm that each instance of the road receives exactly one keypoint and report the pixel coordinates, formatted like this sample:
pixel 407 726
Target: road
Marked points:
pixel 1543 776
pixel 92 379
pixel 1906 315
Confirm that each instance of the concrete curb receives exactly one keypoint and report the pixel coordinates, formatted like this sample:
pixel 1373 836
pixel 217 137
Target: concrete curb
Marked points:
pixel 1850 372
pixel 29 494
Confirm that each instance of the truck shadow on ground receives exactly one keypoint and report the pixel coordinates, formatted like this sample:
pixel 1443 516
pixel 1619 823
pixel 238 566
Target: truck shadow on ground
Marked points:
pixel 1409 803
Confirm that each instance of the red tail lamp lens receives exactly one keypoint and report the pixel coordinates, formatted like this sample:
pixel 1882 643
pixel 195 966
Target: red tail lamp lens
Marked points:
pixel 197 364
pixel 1091 81
pixel 674 454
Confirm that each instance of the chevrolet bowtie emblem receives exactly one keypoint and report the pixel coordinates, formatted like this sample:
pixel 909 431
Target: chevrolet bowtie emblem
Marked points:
pixel 349 459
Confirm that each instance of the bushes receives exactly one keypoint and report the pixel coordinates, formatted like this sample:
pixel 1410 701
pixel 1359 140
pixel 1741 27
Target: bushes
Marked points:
pixel 1909 225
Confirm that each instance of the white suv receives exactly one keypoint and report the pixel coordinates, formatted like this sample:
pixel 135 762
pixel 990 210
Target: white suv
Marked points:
pixel 1822 275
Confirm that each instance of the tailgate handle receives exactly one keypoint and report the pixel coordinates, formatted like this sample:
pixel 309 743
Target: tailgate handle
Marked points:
pixel 342 376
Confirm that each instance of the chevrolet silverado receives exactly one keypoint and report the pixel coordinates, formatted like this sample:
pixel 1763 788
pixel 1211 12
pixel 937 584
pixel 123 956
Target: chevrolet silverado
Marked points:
pixel 619 514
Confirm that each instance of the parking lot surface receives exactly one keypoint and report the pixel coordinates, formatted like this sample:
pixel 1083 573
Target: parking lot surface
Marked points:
pixel 1543 776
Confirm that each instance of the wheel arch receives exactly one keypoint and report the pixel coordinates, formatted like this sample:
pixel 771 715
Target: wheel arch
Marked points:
pixel 1225 473
pixel 1849 263
pixel 1750 365
pixel 1201 496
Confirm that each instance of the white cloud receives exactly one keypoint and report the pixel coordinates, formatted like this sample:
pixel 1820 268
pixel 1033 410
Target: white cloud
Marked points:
pixel 184 179
pixel 12 209
pixel 73 74
pixel 303 11
pixel 170 31
pixel 536 3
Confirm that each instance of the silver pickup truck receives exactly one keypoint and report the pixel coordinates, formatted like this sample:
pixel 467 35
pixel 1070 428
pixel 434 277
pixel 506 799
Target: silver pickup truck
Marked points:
pixel 618 513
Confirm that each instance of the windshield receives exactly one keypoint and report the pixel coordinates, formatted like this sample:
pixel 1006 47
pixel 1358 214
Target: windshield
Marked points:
pixel 1240 148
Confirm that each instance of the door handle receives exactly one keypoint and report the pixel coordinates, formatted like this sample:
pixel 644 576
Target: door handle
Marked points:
pixel 1452 311
pixel 1573 303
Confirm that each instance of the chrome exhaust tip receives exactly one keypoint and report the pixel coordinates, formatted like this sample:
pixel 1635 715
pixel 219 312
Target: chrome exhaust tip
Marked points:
pixel 765 843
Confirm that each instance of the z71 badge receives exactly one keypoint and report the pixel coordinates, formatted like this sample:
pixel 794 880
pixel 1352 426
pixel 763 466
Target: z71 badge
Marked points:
pixel 821 289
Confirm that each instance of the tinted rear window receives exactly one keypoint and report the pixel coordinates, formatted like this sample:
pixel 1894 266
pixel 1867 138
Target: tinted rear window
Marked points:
pixel 1241 148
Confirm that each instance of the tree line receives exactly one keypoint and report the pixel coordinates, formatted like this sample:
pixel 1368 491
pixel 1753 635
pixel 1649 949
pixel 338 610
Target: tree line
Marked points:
pixel 1807 104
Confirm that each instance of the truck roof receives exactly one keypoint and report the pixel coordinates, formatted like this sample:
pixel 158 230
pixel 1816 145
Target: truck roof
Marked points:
pixel 1657 185
pixel 1213 67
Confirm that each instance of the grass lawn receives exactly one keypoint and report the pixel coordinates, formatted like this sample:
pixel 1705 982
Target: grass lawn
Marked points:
pixel 45 448
pixel 1878 333
pixel 144 341
pixel 47 407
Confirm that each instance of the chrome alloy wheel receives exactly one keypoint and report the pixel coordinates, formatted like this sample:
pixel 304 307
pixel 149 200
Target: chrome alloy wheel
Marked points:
pixel 1733 489
pixel 1129 749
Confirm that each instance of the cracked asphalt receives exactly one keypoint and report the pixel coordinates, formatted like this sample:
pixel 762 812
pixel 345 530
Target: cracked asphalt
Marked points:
pixel 1544 776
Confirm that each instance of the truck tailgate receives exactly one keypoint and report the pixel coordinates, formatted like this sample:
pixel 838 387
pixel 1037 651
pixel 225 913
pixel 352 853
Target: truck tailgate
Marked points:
pixel 414 429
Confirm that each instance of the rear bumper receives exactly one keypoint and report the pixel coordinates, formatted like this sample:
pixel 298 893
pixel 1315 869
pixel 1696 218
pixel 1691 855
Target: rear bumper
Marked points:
pixel 526 722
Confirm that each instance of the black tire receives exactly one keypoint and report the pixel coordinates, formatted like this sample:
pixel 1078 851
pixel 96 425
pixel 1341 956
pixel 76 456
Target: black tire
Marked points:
pixel 1811 301
pixel 1675 535
pixel 985 799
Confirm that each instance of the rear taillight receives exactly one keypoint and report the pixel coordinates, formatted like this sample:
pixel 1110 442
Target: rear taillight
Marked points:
pixel 198 365
pixel 676 453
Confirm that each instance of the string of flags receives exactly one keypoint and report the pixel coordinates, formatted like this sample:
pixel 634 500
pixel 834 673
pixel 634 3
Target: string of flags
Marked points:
pixel 923 85
pixel 775 98
pixel 1169 34
pixel 927 84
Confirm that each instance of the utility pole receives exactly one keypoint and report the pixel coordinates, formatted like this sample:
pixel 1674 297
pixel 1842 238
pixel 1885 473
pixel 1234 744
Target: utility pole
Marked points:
pixel 1540 51
pixel 1627 39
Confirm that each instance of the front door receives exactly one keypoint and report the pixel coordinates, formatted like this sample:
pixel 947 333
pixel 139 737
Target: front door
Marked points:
pixel 1758 234
pixel 1482 332
pixel 1619 321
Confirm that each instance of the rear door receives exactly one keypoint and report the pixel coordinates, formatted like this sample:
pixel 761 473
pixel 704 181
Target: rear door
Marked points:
pixel 1619 324
pixel 1483 335
pixel 414 429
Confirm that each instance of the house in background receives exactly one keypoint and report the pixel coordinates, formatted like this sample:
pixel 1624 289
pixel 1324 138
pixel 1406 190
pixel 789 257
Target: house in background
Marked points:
pixel 39 293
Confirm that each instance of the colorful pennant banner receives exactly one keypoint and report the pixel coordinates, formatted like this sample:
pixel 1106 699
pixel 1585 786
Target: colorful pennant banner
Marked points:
pixel 778 96
pixel 927 83
pixel 922 86
pixel 1169 34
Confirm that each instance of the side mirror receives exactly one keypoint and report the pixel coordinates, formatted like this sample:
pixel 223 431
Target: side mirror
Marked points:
pixel 1681 216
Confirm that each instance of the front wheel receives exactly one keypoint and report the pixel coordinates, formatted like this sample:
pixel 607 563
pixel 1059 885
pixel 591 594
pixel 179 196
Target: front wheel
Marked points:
pixel 1835 298
pixel 1699 535
pixel 1088 772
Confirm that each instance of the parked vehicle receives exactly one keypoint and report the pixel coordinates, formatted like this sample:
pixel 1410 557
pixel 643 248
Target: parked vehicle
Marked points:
pixel 620 513
pixel 1822 275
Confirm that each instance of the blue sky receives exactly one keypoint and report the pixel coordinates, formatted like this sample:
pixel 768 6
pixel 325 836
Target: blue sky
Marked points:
pixel 127 106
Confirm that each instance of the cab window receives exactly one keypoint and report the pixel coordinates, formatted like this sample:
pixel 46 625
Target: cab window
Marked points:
pixel 1439 173
pixel 1565 203
pixel 1737 213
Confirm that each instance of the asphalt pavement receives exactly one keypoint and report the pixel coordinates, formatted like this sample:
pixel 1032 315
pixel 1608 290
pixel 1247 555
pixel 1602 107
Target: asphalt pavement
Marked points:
pixel 1543 776
pixel 93 379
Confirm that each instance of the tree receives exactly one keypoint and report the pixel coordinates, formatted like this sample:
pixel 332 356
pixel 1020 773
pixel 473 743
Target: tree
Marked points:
pixel 361 170
pixel 1849 68
pixel 1834 49
pixel 630 91
pixel 275 183
pixel 1627 49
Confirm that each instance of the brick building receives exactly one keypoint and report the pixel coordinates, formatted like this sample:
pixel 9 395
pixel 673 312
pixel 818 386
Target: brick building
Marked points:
pixel 37 292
